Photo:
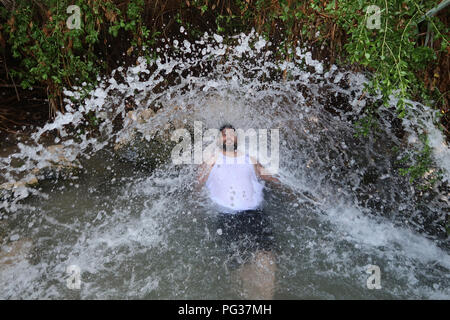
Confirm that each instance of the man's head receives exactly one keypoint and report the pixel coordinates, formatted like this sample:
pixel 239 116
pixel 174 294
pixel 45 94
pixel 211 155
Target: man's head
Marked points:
pixel 228 137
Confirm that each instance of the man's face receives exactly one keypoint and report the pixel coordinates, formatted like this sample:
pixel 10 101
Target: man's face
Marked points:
pixel 229 139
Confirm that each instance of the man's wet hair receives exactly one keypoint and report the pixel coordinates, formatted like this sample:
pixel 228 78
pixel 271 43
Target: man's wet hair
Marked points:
pixel 226 126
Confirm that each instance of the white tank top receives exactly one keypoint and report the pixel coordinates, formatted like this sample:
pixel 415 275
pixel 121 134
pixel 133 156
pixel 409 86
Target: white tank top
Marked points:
pixel 233 185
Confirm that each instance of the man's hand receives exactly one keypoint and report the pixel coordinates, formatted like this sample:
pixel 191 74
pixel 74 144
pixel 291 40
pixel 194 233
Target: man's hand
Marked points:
pixel 204 171
pixel 263 174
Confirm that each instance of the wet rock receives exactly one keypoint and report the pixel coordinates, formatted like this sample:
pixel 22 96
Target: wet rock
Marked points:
pixel 145 115
pixel 140 117
pixel 2 230
pixel 14 237
pixel 56 159
pixel 14 252
pixel 58 162
pixel 59 151
pixel 123 141
pixel 147 154
pixel 26 182
pixel 158 133
pixel 370 176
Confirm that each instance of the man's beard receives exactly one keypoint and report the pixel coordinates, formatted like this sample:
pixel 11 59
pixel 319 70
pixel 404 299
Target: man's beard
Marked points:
pixel 225 147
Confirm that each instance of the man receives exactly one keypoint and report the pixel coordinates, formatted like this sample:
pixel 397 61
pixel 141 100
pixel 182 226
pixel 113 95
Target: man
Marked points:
pixel 235 189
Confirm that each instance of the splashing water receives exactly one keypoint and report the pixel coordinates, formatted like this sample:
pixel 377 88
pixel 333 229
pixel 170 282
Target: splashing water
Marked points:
pixel 132 222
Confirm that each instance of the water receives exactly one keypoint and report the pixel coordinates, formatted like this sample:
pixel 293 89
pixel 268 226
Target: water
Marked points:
pixel 132 222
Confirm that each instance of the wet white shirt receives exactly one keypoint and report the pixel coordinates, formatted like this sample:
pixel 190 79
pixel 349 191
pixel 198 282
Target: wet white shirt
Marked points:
pixel 233 184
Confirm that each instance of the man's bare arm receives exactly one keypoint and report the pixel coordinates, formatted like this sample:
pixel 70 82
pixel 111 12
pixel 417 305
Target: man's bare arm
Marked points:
pixel 263 174
pixel 203 172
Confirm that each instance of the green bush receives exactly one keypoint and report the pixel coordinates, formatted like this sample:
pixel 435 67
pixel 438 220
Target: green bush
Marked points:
pixel 50 54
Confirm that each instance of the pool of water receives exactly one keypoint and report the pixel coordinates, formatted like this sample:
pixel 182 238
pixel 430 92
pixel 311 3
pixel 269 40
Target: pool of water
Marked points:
pixel 134 226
